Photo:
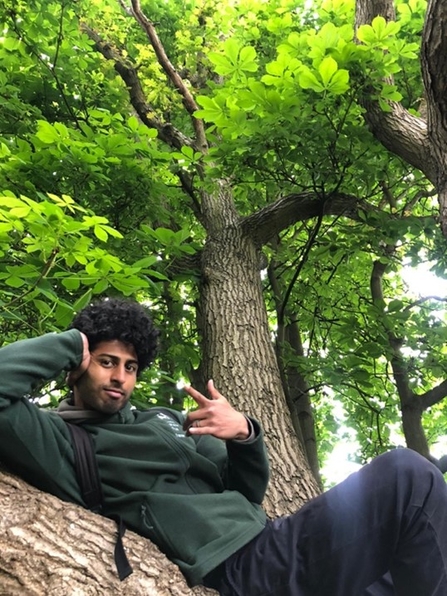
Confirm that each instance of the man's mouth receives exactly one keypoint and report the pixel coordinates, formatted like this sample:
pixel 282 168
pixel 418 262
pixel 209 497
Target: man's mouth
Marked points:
pixel 114 392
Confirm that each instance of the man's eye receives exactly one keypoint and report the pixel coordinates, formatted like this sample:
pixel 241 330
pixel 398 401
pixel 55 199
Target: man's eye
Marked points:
pixel 132 367
pixel 106 362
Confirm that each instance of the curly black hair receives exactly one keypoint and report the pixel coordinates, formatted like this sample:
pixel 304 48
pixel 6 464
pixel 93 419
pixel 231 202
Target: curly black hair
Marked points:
pixel 124 320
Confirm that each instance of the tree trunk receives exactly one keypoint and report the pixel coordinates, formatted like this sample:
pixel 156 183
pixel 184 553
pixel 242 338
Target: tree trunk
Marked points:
pixel 238 352
pixel 48 547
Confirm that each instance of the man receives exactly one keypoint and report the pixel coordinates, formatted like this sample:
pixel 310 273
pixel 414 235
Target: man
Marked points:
pixel 194 485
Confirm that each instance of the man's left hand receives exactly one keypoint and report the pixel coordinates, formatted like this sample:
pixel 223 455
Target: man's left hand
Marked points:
pixel 215 416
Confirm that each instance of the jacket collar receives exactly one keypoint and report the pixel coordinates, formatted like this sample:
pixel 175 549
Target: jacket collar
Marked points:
pixel 77 415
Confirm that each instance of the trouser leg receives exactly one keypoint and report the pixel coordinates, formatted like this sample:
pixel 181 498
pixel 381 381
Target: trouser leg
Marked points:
pixel 391 515
pixel 382 587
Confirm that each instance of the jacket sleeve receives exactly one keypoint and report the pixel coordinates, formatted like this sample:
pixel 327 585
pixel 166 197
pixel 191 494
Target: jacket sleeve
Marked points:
pixel 24 364
pixel 245 467
pixel 34 443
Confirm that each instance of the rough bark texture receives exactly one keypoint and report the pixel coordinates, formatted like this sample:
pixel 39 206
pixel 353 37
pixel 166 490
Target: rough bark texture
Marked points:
pixel 59 549
pixel 420 142
pixel 434 73
pixel 238 352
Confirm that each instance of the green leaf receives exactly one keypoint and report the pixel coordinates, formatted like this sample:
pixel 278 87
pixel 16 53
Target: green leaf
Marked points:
pixel 247 59
pixel 4 150
pixel 327 69
pixel 71 283
pixel 222 65
pixel 63 314
pixel 100 287
pixel 133 124
pixel 164 235
pixel 211 112
pixel 378 31
pixel 100 233
pixel 339 83
pixel 46 132
pixel 146 262
pixel 82 301
pixel 308 80
pixel 14 281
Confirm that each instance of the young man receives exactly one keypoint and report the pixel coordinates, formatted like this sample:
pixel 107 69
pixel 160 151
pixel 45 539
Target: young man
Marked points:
pixel 194 485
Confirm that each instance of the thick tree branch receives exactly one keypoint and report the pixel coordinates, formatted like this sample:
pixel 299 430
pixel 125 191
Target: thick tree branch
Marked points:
pixel 421 143
pixel 166 131
pixel 400 372
pixel 188 100
pixel 266 223
pixel 51 547
pixel 410 403
pixel 434 396
pixel 434 73
pixel 398 130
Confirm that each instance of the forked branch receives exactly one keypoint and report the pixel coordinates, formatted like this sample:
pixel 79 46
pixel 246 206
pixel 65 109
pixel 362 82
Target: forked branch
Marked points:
pixel 166 131
pixel 172 74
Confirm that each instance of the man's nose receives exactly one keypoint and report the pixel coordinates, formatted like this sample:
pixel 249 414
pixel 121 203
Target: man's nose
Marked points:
pixel 118 374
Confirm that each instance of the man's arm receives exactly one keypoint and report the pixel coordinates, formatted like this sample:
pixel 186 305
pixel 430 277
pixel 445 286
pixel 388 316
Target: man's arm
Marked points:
pixel 34 443
pixel 246 468
pixel 24 364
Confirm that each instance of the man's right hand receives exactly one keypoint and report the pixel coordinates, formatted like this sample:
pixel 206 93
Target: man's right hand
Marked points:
pixel 74 374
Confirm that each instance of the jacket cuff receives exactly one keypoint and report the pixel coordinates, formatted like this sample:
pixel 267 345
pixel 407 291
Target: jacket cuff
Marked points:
pixel 254 432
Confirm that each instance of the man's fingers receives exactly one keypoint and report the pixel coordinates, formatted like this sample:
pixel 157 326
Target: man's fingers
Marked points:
pixel 196 395
pixel 213 393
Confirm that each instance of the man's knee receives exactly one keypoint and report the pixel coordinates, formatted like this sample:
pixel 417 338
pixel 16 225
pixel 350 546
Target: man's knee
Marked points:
pixel 407 463
pixel 404 458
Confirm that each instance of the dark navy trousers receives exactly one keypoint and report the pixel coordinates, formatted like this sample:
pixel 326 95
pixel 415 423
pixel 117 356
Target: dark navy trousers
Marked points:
pixel 381 532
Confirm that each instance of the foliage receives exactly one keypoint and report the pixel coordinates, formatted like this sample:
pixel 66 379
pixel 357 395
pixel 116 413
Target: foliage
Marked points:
pixel 52 264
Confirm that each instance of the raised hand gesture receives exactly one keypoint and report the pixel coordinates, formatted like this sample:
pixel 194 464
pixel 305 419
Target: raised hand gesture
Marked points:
pixel 215 416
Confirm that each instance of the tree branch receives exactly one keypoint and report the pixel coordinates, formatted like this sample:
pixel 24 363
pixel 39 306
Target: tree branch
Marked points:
pixel 188 100
pixel 400 372
pixel 398 130
pixel 434 396
pixel 422 300
pixel 434 71
pixel 166 131
pixel 266 223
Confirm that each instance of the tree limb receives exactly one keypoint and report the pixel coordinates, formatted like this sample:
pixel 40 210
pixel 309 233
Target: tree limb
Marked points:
pixel 188 100
pixel 398 130
pixel 410 403
pixel 434 396
pixel 266 223
pixel 48 546
pixel 434 73
pixel 166 131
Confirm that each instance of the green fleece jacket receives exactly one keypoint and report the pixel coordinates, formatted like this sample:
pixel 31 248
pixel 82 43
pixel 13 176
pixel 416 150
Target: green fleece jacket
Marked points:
pixel 197 498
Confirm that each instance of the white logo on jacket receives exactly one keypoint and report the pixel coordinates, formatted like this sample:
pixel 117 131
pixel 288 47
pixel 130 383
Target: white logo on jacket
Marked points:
pixel 175 426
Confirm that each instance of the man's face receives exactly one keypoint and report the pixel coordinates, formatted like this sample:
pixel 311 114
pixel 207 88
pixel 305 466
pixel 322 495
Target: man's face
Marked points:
pixel 110 378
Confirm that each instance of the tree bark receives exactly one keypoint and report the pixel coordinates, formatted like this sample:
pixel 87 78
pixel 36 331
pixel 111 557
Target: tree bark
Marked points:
pixel 237 347
pixel 48 547
pixel 288 338
pixel 421 143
